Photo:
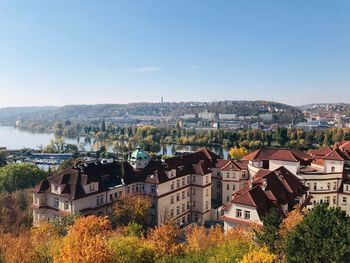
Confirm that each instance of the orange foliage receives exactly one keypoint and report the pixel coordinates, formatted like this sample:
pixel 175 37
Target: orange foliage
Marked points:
pixel 293 218
pixel 86 241
pixel 164 239
pixel 200 239
pixel 16 249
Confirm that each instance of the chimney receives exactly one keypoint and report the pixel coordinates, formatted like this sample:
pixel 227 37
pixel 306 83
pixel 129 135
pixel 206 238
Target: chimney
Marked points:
pixel 264 184
pixel 251 183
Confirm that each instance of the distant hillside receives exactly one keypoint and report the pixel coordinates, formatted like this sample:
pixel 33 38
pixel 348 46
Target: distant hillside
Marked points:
pixel 324 108
pixel 282 112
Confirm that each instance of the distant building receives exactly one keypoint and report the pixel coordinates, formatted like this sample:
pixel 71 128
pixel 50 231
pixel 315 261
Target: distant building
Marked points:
pixel 224 116
pixel 266 116
pixel 206 115
pixel 313 125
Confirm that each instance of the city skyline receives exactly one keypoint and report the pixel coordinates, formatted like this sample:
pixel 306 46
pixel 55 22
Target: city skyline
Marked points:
pixel 65 53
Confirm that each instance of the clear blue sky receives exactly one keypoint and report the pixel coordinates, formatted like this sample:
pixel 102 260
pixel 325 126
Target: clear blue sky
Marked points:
pixel 75 52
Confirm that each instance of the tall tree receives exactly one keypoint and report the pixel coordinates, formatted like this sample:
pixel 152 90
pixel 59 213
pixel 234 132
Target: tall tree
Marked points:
pixel 323 236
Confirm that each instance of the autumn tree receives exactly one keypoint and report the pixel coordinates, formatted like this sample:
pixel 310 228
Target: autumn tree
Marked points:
pixel 86 241
pixel 238 153
pixel 261 255
pixel 165 239
pixel 131 249
pixel 43 239
pixel 199 238
pixel 16 248
pixel 132 209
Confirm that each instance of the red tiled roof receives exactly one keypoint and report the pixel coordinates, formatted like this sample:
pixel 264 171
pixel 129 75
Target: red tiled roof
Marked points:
pixel 319 153
pixel 290 155
pixel 282 187
pixel 336 155
pixel 260 155
pixel 236 220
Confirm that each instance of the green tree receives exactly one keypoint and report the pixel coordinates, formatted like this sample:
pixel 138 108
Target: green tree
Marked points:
pixel 269 233
pixel 323 236
pixel 19 176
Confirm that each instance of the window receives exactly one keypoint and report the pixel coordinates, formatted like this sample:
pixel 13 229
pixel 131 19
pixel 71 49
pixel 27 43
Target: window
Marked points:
pixel 228 187
pixel 172 186
pixel 328 186
pixel 207 179
pixel 137 188
pixel 194 191
pixel 177 183
pixel 171 199
pixel 111 197
pixel 194 178
pixel 188 218
pixel 194 203
pixel 334 185
pixel 178 210
pixel 332 169
pixel 315 186
pixel 171 213
pixel 66 205
pixel 227 175
pixel 243 175
pixel 218 185
pixel 218 173
pixel 188 205
pixel 344 200
pixel 56 202
pixel 183 220
pixel 238 212
pixel 206 205
pixel 195 218
pixel 347 187
pixel 227 198
pixel 334 200
pixel 188 179
pixel 178 197
pixel 188 192
pixel 128 190
pixel 99 199
pixel 183 208
pixel 183 181
pixel 133 188
pixel 92 187
pixel 206 192
pixel 55 187
pixel 115 195
pixel 153 189
pixel 233 187
pixel 183 194
pixel 327 198
pixel 247 214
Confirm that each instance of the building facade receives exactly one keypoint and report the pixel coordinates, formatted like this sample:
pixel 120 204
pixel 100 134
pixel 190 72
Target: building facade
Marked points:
pixel 181 188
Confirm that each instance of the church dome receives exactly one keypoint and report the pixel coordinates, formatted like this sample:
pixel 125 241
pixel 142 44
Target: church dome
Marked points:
pixel 139 154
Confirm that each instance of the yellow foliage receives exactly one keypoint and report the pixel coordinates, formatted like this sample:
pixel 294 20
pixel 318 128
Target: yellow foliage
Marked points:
pixel 261 255
pixel 238 153
pixel 86 241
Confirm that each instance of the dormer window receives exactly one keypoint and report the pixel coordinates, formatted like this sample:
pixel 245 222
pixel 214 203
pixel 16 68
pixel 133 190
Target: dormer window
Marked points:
pixel 55 187
pixel 92 187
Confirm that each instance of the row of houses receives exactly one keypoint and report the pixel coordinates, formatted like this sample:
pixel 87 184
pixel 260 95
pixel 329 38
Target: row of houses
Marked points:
pixel 194 187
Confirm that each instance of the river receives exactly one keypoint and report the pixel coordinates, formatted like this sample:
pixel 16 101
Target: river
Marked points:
pixel 15 139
